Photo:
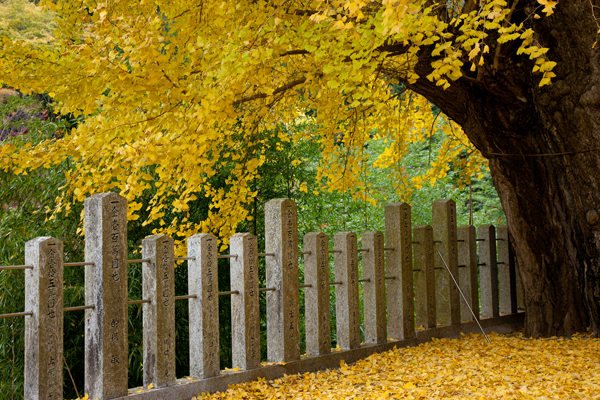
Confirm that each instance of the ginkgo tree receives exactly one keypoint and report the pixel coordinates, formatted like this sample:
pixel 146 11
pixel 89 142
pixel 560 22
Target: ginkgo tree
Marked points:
pixel 172 91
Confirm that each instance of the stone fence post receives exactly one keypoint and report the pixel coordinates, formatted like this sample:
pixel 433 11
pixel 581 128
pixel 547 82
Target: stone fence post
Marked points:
pixel 346 292
pixel 316 297
pixel 204 309
pixel 467 271
pixel 399 266
pixel 158 286
pixel 283 309
pixel 106 342
pixel 488 271
pixel 424 277
pixel 44 328
pixel 507 279
pixel 374 288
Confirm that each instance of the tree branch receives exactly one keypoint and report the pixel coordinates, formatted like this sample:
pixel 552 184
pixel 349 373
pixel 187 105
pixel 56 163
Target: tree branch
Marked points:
pixel 280 89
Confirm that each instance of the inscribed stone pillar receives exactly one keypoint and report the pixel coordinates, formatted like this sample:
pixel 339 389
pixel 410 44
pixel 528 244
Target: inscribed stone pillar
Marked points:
pixel 399 264
pixel 245 318
pixel 488 271
pixel 316 298
pixel 424 277
pixel 158 286
pixel 204 309
pixel 44 328
pixel 507 280
pixel 467 271
pixel 106 342
pixel 281 239
pixel 374 288
pixel 347 311
pixel 444 236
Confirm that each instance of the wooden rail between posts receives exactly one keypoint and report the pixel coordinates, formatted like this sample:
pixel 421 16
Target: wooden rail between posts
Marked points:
pixel 397 288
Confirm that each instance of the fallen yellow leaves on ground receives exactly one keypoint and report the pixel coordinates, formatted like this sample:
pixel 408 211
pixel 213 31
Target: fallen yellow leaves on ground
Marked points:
pixel 511 367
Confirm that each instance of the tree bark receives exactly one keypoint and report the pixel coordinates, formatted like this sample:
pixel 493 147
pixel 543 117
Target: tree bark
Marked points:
pixel 543 146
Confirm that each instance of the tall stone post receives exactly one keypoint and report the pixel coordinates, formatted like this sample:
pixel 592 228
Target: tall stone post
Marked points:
pixel 467 271
pixel 374 288
pixel 283 309
pixel 346 294
pixel 106 342
pixel 245 317
pixel 488 271
pixel 204 309
pixel 507 279
pixel 158 286
pixel 44 328
pixel 399 265
pixel 316 297
pixel 424 277
pixel 444 236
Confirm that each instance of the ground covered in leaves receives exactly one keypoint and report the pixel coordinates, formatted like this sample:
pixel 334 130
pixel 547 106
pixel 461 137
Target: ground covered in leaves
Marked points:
pixel 511 367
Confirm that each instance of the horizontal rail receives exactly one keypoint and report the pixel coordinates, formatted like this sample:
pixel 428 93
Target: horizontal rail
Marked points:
pixel 388 249
pixel 227 256
pixel 141 260
pixel 266 254
pixel 189 296
pixel 334 251
pixel 77 308
pixel 229 292
pixel 390 277
pixel 416 270
pixel 364 280
pixel 361 250
pixel 77 264
pixel 335 283
pixel 305 252
pixel 303 286
pixel 137 301
pixel 19 314
pixel 264 289
pixel 184 258
pixel 16 267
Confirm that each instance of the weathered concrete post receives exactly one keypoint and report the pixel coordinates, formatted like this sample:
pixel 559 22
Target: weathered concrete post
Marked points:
pixel 44 328
pixel 204 309
pixel 424 277
pixel 106 342
pixel 316 297
pixel 488 271
pixel 283 309
pixel 399 264
pixel 507 279
pixel 444 236
pixel 467 271
pixel 245 318
pixel 374 288
pixel 346 294
pixel 158 286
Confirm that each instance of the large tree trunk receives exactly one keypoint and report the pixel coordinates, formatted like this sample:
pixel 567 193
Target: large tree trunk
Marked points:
pixel 543 146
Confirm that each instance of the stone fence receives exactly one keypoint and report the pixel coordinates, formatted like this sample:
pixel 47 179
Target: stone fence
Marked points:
pixel 407 279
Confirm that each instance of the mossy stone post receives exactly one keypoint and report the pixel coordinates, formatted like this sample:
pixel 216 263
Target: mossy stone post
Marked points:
pixel 399 266
pixel 204 309
pixel 424 277
pixel 374 288
pixel 245 318
pixel 283 309
pixel 44 328
pixel 445 240
pixel 346 294
pixel 467 271
pixel 106 342
pixel 316 297
pixel 158 286
pixel 488 271
pixel 507 279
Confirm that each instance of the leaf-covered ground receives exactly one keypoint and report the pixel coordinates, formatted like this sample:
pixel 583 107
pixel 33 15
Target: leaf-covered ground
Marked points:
pixel 511 367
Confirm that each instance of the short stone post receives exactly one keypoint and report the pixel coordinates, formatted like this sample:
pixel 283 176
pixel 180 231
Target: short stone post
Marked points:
pixel 444 236
pixel 346 293
pixel 374 288
pixel 283 309
pixel 158 286
pixel 44 328
pixel 316 297
pixel 399 266
pixel 467 271
pixel 424 277
pixel 245 318
pixel 204 309
pixel 106 342
pixel 519 283
pixel 507 279
pixel 488 271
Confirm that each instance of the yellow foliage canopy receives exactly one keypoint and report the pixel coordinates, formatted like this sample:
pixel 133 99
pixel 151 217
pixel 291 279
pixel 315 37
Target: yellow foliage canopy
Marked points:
pixel 171 91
